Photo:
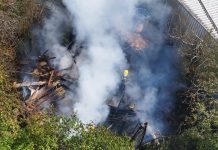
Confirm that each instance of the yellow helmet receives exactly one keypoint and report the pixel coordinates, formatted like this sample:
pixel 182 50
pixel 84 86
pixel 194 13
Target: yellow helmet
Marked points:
pixel 125 72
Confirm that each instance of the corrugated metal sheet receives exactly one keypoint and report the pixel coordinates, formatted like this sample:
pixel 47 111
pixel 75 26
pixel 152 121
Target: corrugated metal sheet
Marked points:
pixel 197 10
pixel 179 13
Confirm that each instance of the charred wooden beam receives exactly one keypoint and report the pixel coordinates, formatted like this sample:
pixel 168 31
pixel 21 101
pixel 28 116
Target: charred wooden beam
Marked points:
pixel 143 135
pixel 50 79
pixel 49 86
pixel 140 131
pixel 136 133
pixel 44 53
pixel 28 84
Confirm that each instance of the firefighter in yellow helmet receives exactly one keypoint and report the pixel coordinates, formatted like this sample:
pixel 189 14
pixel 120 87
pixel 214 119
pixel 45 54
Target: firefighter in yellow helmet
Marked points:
pixel 125 74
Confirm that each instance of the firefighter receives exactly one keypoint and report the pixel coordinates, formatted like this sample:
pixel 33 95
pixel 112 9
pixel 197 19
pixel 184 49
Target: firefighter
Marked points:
pixel 125 74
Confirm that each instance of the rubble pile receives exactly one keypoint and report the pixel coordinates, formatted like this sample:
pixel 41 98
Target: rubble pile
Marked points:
pixel 47 83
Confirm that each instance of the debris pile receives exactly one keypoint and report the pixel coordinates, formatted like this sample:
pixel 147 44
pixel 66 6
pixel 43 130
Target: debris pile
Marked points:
pixel 45 83
pixel 142 132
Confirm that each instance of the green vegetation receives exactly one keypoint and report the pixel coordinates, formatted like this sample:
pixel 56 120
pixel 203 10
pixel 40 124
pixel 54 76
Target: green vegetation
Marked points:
pixel 97 138
pixel 50 132
pixel 201 120
pixel 197 105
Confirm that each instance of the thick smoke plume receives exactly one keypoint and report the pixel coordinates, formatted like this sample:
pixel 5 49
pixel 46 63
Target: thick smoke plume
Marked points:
pixel 95 22
pixel 103 25
pixel 153 78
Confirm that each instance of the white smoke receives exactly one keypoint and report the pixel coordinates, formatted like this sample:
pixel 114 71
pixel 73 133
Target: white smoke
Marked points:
pixel 102 25
pixel 52 33
pixel 95 22
pixel 98 78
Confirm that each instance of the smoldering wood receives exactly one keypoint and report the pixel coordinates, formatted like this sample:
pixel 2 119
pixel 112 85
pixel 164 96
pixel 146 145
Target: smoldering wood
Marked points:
pixel 140 131
pixel 50 78
pixel 59 92
pixel 28 84
pixel 42 95
pixel 143 135
pixel 38 94
pixel 121 120
pixel 155 140
pixel 116 112
pixel 49 85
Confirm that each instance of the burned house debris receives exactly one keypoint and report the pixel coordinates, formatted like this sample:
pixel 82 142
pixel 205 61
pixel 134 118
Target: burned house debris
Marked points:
pixel 130 103
pixel 45 83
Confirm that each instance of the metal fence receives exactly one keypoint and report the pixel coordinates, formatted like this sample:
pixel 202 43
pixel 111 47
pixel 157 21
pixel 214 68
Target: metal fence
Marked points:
pixel 192 24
